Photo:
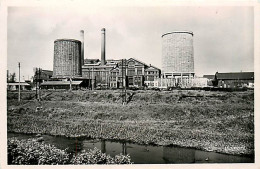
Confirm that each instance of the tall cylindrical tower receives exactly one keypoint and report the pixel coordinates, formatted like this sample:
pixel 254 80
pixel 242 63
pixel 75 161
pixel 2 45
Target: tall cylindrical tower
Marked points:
pixel 103 46
pixel 67 58
pixel 177 52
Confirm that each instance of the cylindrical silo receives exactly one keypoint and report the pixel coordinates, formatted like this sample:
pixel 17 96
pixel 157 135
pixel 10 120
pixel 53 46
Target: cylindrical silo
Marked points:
pixel 177 52
pixel 67 58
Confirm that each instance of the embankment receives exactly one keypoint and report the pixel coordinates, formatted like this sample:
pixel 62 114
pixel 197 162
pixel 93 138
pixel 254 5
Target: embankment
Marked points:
pixel 212 121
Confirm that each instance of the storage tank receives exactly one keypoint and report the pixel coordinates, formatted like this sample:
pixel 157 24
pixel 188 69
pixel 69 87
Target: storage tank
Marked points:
pixel 177 52
pixel 67 58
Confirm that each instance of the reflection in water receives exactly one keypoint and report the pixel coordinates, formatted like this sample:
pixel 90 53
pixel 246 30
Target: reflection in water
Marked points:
pixel 103 146
pixel 140 154
pixel 178 155
pixel 124 152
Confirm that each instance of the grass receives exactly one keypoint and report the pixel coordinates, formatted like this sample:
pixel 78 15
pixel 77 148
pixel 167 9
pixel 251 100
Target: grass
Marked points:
pixel 213 121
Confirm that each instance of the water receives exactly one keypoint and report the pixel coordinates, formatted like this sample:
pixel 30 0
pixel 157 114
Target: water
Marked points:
pixel 140 154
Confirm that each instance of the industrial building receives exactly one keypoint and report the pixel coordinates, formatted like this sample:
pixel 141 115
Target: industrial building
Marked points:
pixel 15 86
pixel 61 85
pixel 234 79
pixel 118 73
pixel 69 65
pixel 42 75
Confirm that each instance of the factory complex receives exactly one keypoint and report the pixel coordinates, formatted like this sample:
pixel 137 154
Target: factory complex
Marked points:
pixel 72 71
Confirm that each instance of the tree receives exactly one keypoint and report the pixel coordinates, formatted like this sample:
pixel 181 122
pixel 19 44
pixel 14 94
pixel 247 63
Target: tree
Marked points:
pixel 12 78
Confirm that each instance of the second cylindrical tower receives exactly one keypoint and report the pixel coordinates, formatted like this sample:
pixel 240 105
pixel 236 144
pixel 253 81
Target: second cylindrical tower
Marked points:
pixel 177 52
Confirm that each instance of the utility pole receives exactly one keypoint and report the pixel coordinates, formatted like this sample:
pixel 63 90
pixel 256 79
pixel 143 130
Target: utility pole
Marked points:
pixel 38 81
pixel 89 84
pixel 7 79
pixel 92 79
pixel 122 82
pixel 19 94
pixel 125 80
pixel 70 77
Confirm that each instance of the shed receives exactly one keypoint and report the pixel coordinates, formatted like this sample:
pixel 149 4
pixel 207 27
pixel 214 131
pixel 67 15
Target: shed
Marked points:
pixel 61 85
pixel 15 86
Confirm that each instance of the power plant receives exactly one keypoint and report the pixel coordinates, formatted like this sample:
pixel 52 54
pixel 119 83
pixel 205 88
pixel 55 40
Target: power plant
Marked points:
pixel 69 65
pixel 177 66
pixel 177 54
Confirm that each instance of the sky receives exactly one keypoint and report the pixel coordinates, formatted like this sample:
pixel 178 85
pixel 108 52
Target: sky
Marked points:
pixel 223 35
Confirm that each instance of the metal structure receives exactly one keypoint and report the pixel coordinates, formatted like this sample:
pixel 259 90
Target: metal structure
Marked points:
pixel 67 58
pixel 177 54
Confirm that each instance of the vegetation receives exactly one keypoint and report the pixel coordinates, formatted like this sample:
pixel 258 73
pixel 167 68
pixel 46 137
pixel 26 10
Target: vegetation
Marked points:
pixel 212 121
pixel 31 152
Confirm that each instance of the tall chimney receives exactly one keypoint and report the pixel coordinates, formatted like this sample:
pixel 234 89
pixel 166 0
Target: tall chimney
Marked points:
pixel 82 46
pixel 103 46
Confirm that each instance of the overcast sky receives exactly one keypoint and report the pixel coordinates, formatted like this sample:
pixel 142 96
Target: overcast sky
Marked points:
pixel 223 36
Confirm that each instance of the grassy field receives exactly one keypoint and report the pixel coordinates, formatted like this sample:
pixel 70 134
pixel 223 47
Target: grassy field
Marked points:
pixel 212 121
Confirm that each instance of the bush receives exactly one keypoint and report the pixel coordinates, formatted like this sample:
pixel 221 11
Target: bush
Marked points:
pixel 95 156
pixel 31 152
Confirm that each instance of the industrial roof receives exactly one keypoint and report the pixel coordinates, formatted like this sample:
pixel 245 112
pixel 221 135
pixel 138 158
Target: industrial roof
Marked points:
pixel 209 76
pixel 61 83
pixel 152 67
pixel 137 61
pixel 47 72
pixel 17 83
pixel 235 76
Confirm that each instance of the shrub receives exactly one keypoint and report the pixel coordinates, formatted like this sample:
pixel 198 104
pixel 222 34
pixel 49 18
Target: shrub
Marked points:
pixel 31 152
pixel 95 156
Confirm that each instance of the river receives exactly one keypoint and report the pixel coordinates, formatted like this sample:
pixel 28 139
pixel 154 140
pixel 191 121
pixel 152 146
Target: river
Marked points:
pixel 140 154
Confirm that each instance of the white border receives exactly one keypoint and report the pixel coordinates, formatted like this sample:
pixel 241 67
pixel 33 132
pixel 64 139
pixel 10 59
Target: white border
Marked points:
pixel 4 4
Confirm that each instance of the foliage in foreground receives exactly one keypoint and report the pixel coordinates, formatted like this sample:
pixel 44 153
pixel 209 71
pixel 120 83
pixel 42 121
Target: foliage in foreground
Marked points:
pixel 95 156
pixel 31 152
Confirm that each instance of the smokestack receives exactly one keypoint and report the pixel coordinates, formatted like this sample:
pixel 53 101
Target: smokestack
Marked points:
pixel 82 46
pixel 103 46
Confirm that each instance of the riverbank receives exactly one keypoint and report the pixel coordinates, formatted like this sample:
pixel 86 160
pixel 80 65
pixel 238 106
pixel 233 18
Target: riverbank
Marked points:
pixel 211 121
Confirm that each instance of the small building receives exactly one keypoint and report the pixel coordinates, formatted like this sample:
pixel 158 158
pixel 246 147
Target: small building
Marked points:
pixel 210 79
pixel 152 73
pixel 15 86
pixel 234 79
pixel 61 85
pixel 42 75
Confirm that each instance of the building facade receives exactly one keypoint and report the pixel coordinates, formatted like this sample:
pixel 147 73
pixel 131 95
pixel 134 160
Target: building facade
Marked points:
pixel 234 79
pixel 118 73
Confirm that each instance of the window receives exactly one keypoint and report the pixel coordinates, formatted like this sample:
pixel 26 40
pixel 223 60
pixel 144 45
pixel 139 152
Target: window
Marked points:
pixel 150 78
pixel 131 64
pixel 131 72
pixel 139 71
